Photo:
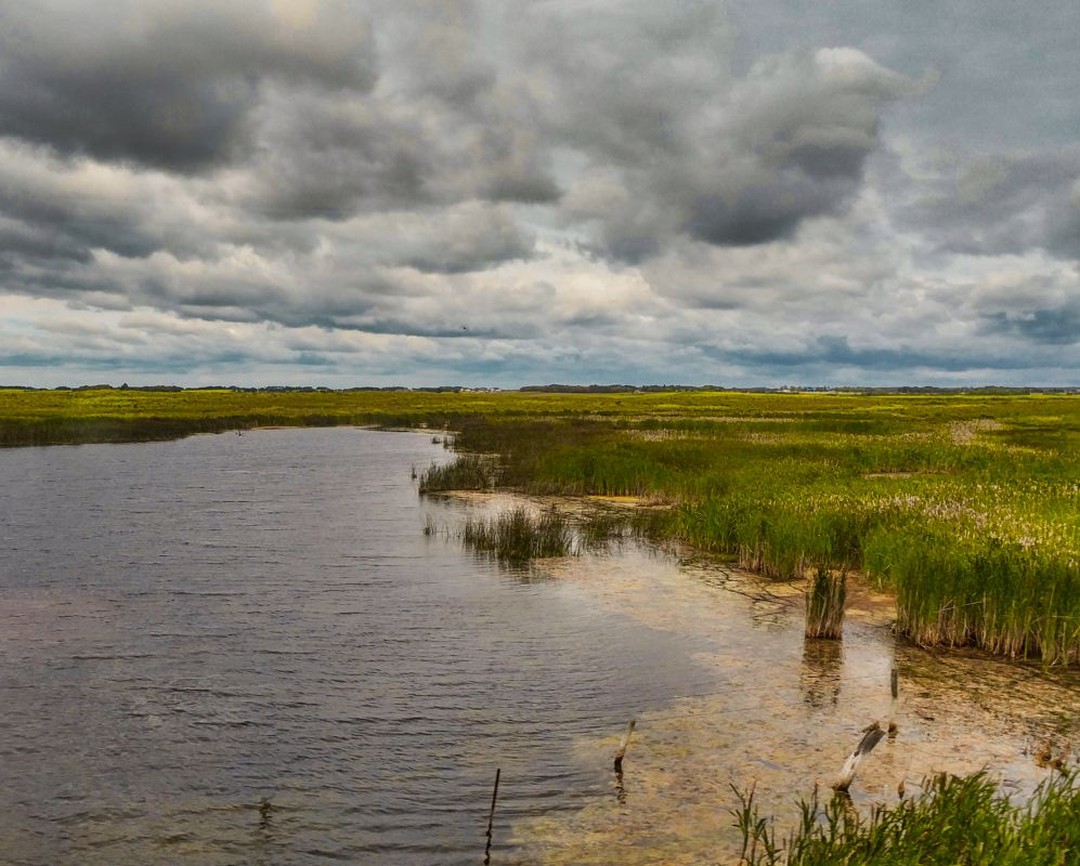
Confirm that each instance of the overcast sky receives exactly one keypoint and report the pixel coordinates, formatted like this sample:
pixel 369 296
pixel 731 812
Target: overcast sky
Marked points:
pixel 510 192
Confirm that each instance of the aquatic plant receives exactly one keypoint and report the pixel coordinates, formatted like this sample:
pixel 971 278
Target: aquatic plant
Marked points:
pixel 518 535
pixel 825 599
pixel 466 472
pixel 956 819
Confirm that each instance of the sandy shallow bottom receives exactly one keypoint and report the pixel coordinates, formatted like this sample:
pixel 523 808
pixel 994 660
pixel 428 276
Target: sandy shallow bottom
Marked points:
pixel 789 712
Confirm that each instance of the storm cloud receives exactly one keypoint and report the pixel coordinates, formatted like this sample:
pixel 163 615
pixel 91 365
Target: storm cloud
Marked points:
pixel 163 83
pixel 409 191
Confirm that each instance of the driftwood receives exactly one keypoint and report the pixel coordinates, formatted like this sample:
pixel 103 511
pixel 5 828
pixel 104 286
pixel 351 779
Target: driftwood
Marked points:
pixel 872 734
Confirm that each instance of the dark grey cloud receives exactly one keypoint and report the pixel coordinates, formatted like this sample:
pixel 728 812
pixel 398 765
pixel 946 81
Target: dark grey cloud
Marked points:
pixel 164 83
pixel 332 156
pixel 1056 326
pixel 770 212
pixel 688 150
pixel 834 351
pixel 469 238
pixel 1004 203
pixel 1041 308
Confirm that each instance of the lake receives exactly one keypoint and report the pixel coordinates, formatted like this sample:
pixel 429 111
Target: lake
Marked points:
pixel 246 649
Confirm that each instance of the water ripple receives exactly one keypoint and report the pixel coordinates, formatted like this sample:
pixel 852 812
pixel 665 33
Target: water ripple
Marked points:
pixel 177 652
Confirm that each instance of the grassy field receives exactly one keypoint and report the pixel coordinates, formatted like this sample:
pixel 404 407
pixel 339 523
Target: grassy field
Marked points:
pixel 966 505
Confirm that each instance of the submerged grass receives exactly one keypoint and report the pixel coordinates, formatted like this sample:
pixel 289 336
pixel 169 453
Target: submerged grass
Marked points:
pixel 956 820
pixel 521 534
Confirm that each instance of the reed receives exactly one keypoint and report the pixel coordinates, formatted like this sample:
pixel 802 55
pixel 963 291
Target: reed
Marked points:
pixel 954 820
pixel 518 535
pixel 825 599
pixel 983 589
pixel 466 472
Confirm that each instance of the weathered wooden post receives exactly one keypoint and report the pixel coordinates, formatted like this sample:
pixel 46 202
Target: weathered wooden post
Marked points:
pixel 894 688
pixel 265 810
pixel 622 746
pixel 491 816
pixel 871 736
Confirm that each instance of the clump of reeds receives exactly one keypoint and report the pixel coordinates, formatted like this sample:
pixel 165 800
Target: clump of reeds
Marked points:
pixel 1014 597
pixel 825 598
pixel 956 819
pixel 519 534
pixel 467 472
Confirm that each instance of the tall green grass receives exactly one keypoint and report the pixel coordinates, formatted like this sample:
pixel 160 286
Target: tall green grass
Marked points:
pixel 467 472
pixel 955 820
pixel 517 535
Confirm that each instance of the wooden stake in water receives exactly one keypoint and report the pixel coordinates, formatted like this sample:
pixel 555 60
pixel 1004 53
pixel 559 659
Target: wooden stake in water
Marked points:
pixel 491 816
pixel 871 735
pixel 894 688
pixel 622 746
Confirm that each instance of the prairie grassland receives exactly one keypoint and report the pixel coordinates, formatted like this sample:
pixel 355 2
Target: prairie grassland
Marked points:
pixel 968 505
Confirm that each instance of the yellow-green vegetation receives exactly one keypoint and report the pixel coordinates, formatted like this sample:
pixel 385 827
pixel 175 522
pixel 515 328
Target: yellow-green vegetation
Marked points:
pixel 129 414
pixel 955 820
pixel 968 505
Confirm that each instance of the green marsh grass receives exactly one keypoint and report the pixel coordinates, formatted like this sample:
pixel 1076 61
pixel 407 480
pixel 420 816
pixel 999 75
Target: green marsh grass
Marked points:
pixel 520 534
pixel 955 820
pixel 467 472
pixel 517 535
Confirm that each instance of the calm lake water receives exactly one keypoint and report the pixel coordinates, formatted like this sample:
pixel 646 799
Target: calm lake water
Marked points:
pixel 245 649
pixel 191 629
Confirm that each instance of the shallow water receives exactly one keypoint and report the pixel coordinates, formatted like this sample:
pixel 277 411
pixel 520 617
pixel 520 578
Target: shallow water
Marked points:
pixel 246 650
pixel 785 713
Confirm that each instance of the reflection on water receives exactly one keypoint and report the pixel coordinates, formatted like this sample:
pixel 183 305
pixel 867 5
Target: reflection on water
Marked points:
pixel 247 650
pixel 822 665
